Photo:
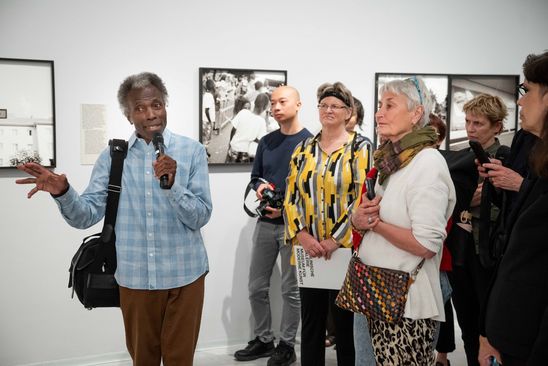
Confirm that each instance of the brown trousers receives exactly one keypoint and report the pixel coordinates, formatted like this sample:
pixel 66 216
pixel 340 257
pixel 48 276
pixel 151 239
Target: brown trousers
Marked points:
pixel 163 324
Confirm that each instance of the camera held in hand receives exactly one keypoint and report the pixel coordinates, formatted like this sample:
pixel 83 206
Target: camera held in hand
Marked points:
pixel 271 197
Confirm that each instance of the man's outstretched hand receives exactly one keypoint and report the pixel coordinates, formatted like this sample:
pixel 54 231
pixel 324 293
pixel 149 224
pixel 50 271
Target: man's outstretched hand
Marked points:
pixel 44 179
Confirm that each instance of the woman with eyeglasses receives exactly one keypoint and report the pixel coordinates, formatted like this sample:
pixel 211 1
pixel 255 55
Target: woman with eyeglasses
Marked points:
pixel 516 311
pixel 326 174
pixel 405 224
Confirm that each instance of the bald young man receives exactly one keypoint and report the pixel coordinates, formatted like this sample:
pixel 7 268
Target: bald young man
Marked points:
pixel 272 164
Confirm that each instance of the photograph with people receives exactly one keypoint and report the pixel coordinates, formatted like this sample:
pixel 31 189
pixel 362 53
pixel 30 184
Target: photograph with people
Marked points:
pixel 465 88
pixel 220 90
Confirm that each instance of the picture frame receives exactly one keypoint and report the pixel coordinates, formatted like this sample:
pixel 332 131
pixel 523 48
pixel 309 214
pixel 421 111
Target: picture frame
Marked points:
pixel 27 112
pixel 452 91
pixel 437 83
pixel 463 88
pixel 234 111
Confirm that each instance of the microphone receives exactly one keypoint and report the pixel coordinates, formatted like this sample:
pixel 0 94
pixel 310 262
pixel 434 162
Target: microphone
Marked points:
pixel 370 183
pixel 158 141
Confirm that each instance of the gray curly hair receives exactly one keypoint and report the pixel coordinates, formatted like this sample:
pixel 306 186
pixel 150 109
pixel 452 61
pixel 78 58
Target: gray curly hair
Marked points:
pixel 139 81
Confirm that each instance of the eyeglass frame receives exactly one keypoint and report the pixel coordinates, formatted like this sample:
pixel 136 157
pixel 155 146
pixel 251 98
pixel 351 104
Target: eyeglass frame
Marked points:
pixel 522 89
pixel 333 107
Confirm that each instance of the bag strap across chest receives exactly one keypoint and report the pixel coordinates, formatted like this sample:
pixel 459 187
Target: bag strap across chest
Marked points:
pixel 118 153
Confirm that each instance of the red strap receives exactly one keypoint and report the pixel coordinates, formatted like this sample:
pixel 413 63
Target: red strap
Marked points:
pixel 446 260
pixel 356 235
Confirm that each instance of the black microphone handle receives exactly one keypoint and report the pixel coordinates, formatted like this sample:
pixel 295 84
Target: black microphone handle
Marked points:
pixel 163 179
pixel 163 182
pixel 160 148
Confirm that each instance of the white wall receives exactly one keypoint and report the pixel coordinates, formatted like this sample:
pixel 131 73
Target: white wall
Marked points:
pixel 95 44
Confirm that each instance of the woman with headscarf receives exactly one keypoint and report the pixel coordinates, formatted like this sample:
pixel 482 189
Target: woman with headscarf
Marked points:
pixel 326 175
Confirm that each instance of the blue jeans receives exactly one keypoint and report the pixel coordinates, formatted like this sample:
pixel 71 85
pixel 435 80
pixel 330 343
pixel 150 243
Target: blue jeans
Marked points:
pixel 445 286
pixel 446 295
pixel 362 342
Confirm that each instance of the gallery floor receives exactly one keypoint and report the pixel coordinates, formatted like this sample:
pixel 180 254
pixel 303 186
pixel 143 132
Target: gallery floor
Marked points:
pixel 224 357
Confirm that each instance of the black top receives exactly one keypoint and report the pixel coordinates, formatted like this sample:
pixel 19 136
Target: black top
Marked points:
pixel 272 160
pixel 464 175
pixel 518 161
pixel 516 315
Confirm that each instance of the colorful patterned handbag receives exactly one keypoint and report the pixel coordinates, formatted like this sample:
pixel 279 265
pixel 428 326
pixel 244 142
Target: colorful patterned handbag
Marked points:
pixel 378 293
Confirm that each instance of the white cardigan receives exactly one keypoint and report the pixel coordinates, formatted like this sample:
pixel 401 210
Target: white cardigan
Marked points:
pixel 420 196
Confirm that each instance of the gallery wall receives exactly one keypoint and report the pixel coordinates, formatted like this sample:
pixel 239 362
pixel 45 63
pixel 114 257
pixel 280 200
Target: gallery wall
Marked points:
pixel 95 44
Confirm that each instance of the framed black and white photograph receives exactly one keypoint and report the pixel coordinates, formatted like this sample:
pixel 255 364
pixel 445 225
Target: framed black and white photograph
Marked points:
pixel 438 84
pixel 465 87
pixel 235 111
pixel 27 112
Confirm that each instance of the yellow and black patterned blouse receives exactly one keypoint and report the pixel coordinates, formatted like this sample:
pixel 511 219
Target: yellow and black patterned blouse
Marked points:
pixel 322 188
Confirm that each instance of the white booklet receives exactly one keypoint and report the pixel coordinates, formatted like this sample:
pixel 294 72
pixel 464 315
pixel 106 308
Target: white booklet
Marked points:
pixel 319 272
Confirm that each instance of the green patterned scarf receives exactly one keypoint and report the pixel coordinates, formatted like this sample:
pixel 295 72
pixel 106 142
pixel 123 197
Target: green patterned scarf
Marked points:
pixel 390 157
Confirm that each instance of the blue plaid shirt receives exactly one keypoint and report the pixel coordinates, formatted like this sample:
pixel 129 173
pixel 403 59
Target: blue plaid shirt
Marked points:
pixel 158 240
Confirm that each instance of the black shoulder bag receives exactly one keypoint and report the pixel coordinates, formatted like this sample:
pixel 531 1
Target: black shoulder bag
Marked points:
pixel 93 266
pixel 492 234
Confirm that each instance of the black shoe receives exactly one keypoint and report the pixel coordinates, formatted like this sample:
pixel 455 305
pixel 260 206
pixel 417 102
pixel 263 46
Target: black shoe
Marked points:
pixel 255 349
pixel 330 340
pixel 284 355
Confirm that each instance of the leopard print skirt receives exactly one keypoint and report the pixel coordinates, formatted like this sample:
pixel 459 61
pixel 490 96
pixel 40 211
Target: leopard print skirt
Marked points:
pixel 407 343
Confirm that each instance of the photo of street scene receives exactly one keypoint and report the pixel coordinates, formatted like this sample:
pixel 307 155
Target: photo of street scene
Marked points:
pixel 235 111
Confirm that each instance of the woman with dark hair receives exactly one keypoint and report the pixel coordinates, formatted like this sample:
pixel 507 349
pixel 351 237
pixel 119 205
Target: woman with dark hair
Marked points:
pixel 356 120
pixel 326 175
pixel 440 127
pixel 405 224
pixel 516 313
pixel 356 123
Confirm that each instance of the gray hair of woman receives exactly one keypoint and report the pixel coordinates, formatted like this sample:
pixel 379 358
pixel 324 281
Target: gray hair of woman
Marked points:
pixel 417 95
pixel 139 81
pixel 337 90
